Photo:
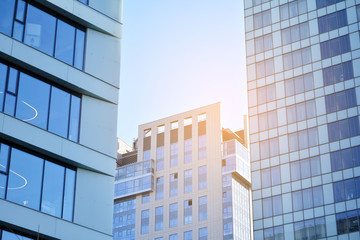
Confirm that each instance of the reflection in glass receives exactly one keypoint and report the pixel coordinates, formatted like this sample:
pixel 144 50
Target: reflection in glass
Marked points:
pixel 31 107
pixel 52 194
pixel 4 156
pixel 9 107
pixel 69 194
pixel 25 178
pixel 65 38
pixel 3 179
pixel 40 30
pixel 6 16
pixel 12 236
pixel 74 118
pixel 59 112
pixel 79 49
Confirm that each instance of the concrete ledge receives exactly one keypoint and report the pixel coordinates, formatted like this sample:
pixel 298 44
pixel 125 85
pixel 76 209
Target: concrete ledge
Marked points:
pixel 31 221
pixel 55 70
pixel 54 146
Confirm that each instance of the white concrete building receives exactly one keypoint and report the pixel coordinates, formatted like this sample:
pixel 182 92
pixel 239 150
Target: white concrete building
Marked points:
pixel 190 180
pixel 59 82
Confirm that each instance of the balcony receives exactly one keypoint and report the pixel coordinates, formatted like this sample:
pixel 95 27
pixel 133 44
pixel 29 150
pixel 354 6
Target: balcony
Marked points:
pixel 236 160
pixel 134 178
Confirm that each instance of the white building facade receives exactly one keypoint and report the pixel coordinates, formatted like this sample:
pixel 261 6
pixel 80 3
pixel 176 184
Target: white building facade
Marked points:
pixel 183 184
pixel 59 82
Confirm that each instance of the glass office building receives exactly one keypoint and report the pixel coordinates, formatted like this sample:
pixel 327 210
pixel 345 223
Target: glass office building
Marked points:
pixel 303 89
pixel 58 110
pixel 187 179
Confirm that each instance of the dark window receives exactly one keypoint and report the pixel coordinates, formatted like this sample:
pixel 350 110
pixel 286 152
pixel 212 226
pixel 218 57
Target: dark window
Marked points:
pixel 347 222
pixel 343 129
pixel 43 31
pixel 335 47
pixel 346 189
pixel 332 21
pixel 324 3
pixel 340 100
pixel 338 73
pixel 36 102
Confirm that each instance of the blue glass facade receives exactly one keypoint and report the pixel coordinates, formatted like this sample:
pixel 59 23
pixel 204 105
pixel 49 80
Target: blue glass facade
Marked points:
pixel 306 187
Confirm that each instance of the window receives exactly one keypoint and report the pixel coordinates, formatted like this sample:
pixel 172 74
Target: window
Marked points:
pixel 347 222
pixel 346 190
pixel 274 233
pixel 188 235
pixel 358 12
pixel 272 206
pixel 338 73
pixel 303 139
pixel 173 215
pixel 145 198
pixel 266 94
pixel 203 234
pixel 346 158
pixel 299 84
pixel 188 150
pixel 343 129
pixel 124 218
pixel 340 100
pixel 310 229
pixel 173 184
pixel 202 177
pixel 40 30
pixel 262 19
pixel 173 154
pixel 147 155
pixel 187 181
pixel 332 21
pixel 160 158
pixel 293 9
pixel 188 211
pixel 335 47
pixel 307 198
pixel 145 221
pixel 301 111
pixel 324 3
pixel 263 43
pixel 173 237
pixel 159 218
pixel 257 2
pixel 305 168
pixel 202 147
pixel 37 183
pixel 159 188
pixel 13 236
pixel 202 208
pixel 58 112
pixel 268 120
pixel 295 33
pixel 265 68
pixel 297 58
pixel 269 148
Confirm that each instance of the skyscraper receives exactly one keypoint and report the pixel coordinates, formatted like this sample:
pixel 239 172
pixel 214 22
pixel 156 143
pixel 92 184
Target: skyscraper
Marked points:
pixel 303 91
pixel 59 80
pixel 188 179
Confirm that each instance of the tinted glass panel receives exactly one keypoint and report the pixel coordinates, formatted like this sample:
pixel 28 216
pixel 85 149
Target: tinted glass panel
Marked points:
pixel 33 101
pixel 74 118
pixel 25 178
pixel 4 157
pixel 65 38
pixel 3 179
pixel 6 16
pixel 9 107
pixel 59 112
pixel 40 30
pixel 3 75
pixel 79 49
pixel 52 195
pixel 69 194
pixel 12 236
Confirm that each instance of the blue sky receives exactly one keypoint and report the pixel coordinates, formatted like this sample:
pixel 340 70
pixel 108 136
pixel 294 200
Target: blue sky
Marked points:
pixel 179 55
